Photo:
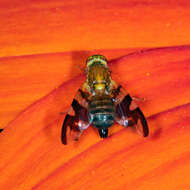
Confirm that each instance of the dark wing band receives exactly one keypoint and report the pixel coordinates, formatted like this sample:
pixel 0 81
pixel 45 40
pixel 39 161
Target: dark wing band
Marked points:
pixel 77 121
pixel 127 108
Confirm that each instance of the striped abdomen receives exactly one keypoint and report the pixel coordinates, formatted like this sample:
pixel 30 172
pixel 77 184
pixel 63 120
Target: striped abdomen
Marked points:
pixel 101 111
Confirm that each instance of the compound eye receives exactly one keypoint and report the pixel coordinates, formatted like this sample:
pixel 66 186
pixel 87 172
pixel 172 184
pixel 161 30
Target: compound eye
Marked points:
pixel 96 58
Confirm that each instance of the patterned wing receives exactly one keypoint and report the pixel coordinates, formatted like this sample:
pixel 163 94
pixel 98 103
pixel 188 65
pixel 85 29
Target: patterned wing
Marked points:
pixel 127 111
pixel 77 118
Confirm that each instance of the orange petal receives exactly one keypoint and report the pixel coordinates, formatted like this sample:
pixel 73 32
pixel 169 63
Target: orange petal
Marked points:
pixel 35 27
pixel 39 83
pixel 32 154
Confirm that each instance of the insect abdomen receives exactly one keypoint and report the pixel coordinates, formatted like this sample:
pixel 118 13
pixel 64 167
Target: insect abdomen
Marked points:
pixel 101 111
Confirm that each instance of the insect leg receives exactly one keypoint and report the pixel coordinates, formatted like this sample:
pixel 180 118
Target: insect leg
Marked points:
pixel 137 99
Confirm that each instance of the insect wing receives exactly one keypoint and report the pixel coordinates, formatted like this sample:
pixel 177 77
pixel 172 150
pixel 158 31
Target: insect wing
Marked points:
pixel 141 123
pixel 76 119
pixel 127 111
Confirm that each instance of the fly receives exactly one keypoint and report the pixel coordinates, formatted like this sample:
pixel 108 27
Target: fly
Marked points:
pixel 100 102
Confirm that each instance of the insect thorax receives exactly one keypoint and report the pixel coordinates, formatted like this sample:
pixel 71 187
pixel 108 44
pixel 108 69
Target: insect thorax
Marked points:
pixel 98 78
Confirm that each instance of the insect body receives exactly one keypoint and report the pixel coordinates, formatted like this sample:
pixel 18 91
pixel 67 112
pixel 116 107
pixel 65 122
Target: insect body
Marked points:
pixel 100 102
